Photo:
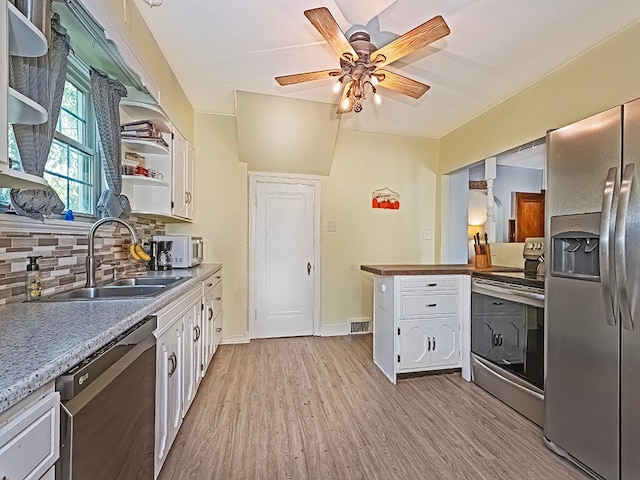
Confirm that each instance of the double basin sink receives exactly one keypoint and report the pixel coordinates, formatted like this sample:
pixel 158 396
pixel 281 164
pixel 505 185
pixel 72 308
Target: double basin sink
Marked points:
pixel 130 287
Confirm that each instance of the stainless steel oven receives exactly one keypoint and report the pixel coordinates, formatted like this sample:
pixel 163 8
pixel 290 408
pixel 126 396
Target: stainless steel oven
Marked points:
pixel 507 342
pixel 108 410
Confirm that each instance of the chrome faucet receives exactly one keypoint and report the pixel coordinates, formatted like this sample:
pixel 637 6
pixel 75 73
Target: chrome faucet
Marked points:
pixel 92 262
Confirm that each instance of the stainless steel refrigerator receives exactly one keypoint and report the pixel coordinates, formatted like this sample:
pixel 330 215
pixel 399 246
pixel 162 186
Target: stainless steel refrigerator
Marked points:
pixel 592 386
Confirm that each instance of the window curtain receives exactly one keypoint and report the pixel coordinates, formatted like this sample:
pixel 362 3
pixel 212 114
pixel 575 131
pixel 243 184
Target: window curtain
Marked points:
pixel 41 79
pixel 106 93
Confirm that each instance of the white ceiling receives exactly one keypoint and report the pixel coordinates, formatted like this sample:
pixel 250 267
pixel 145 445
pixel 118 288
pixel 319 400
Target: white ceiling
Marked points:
pixel 495 49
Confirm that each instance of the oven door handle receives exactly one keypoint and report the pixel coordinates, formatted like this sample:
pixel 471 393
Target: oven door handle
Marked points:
pixel 506 291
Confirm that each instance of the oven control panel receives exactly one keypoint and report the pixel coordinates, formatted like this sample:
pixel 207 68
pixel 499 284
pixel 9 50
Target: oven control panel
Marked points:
pixel 533 248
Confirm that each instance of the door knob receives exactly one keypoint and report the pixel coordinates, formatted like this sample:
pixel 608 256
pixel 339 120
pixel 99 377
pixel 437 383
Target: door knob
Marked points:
pixel 308 268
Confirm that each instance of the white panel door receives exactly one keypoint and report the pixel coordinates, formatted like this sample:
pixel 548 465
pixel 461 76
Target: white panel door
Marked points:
pixel 284 259
pixel 445 343
pixel 415 344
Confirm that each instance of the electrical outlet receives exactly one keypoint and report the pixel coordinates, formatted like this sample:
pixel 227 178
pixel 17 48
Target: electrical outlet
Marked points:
pixel 426 235
pixel 332 226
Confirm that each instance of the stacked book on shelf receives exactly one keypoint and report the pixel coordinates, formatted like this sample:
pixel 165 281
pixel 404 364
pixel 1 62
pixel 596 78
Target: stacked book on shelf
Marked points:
pixel 142 130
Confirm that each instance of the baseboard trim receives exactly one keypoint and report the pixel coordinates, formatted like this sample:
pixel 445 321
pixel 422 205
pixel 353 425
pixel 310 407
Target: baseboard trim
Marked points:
pixel 234 340
pixel 334 330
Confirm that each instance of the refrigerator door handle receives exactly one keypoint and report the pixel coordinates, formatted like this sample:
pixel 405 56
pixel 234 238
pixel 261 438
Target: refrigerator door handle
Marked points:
pixel 606 230
pixel 620 247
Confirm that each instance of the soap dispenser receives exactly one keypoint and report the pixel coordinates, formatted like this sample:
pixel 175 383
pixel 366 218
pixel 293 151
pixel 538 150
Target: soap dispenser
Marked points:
pixel 33 282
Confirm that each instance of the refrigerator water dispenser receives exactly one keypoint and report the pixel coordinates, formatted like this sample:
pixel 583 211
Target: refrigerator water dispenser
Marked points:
pixel 575 249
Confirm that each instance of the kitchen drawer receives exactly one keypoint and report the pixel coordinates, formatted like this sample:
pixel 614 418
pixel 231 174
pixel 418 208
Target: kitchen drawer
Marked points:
pixel 217 299
pixel 483 304
pixel 429 283
pixel 429 305
pixel 213 280
pixel 29 443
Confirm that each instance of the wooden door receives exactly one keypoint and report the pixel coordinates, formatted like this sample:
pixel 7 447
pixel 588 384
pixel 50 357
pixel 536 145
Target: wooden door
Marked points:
pixel 529 215
pixel 415 344
pixel 284 254
pixel 445 341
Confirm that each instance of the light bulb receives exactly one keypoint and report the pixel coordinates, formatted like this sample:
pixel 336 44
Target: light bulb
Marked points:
pixel 377 98
pixel 345 103
pixel 336 87
pixel 374 80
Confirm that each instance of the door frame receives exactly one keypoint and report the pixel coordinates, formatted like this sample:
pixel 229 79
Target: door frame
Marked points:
pixel 287 179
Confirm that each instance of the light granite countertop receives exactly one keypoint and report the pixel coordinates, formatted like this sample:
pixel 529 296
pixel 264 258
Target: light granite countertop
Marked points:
pixel 41 340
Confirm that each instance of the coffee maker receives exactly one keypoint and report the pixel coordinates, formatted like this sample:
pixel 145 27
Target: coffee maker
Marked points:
pixel 533 254
pixel 160 255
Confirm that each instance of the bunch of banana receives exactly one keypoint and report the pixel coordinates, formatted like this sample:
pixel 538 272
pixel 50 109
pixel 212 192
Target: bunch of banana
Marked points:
pixel 136 251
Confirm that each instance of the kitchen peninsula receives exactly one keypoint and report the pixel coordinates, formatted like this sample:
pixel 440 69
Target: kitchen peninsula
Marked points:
pixel 422 317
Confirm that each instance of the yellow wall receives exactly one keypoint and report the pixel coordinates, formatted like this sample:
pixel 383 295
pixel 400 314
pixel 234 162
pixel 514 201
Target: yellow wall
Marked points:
pixel 362 163
pixel 138 37
pixel 605 76
pixel 221 214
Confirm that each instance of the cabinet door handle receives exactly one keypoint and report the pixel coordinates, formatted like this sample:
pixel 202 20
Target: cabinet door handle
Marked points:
pixel 430 305
pixel 428 344
pixel 197 330
pixel 434 343
pixel 173 360
pixel 500 340
pixel 210 313
pixel 218 299
pixel 219 329
pixel 308 268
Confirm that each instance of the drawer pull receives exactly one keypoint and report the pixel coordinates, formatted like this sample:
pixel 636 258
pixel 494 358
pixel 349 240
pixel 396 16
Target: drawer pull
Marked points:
pixel 218 277
pixel 218 299
pixel 432 285
pixel 430 304
pixel 210 284
pixel 498 303
pixel 219 329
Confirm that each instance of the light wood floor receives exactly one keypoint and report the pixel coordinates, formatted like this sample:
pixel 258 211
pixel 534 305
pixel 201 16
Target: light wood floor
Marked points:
pixel 318 408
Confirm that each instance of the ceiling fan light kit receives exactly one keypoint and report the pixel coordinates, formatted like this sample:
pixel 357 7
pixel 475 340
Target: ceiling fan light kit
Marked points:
pixel 361 61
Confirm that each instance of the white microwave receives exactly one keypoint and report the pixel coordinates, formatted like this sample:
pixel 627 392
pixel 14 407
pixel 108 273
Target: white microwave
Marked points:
pixel 186 250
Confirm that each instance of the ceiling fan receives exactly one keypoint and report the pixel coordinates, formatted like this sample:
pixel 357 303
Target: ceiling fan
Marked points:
pixel 361 61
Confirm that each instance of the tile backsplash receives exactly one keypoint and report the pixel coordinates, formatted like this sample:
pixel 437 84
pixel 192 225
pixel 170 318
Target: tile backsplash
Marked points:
pixel 63 250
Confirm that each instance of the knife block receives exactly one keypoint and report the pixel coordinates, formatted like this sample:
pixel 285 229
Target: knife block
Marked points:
pixel 482 258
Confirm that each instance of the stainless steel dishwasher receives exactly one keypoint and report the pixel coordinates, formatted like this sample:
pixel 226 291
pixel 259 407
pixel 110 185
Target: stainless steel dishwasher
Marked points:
pixel 108 410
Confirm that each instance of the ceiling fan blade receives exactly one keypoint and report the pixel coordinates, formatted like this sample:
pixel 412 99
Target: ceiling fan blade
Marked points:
pixel 419 37
pixel 307 77
pixel 324 22
pixel 401 84
pixel 341 106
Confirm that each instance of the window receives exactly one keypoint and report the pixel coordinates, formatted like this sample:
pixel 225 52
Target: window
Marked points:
pixel 73 168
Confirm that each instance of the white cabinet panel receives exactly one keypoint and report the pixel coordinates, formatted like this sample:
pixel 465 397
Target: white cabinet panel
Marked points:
pixel 30 442
pixel 418 321
pixel 445 343
pixel 415 344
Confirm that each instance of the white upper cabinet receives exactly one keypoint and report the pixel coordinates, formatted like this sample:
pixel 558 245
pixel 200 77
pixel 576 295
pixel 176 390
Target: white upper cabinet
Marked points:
pixel 162 193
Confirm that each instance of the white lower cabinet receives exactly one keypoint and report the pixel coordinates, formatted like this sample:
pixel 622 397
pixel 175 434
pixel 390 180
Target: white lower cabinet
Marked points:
pixel 418 320
pixel 30 438
pixel 169 373
pixel 185 344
